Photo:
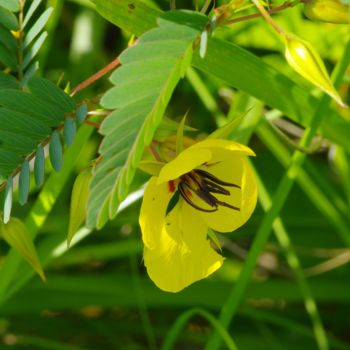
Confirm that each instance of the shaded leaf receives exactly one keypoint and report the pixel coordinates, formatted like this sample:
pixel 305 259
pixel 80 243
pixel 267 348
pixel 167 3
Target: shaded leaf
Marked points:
pixel 69 131
pixel 81 113
pixel 24 183
pixel 39 166
pixel 55 151
pixel 18 237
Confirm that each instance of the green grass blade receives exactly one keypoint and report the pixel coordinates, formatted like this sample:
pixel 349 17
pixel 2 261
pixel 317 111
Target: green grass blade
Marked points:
pixel 181 321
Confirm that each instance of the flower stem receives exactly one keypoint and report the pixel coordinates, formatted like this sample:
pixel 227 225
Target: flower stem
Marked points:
pixel 155 152
pixel 267 17
pixel 110 66
pixel 237 293
pixel 284 6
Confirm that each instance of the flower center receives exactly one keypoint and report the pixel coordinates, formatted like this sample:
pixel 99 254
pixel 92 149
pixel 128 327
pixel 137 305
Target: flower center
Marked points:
pixel 204 185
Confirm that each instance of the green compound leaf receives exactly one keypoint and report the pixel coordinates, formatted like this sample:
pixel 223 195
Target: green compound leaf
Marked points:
pixel 37 27
pixel 27 119
pixel 10 5
pixel 149 74
pixel 8 19
pixel 18 237
pixel 137 17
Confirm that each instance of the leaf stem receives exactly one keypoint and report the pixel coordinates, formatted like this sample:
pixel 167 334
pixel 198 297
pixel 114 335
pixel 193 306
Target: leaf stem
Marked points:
pixel 83 85
pixel 284 6
pixel 267 17
pixel 155 152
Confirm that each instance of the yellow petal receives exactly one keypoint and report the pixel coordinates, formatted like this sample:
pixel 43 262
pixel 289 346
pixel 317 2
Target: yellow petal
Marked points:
pixel 183 254
pixel 153 211
pixel 237 171
pixel 187 160
pixel 224 145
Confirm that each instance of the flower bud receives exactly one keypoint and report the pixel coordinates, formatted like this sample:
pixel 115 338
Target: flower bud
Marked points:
pixel 332 11
pixel 305 60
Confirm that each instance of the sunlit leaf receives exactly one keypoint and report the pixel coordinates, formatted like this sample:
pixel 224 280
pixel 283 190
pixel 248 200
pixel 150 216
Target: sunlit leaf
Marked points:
pixel 78 204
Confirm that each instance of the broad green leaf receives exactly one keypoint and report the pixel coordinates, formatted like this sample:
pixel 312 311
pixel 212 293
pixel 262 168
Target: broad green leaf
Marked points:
pixel 69 131
pixel 39 166
pixel 7 81
pixel 55 151
pixel 8 200
pixel 11 5
pixel 8 19
pixel 8 58
pixel 24 183
pixel 78 204
pixel 29 73
pixel 7 39
pixel 136 17
pixel 45 89
pixel 37 27
pixel 18 237
pixel 140 106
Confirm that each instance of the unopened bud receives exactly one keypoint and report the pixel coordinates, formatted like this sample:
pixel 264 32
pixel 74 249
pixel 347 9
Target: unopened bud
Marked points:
pixel 331 11
pixel 305 60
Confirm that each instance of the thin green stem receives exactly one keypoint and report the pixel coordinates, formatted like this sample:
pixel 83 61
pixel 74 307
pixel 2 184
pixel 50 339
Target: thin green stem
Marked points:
pixel 294 263
pixel 267 17
pixel 229 309
pixel 141 302
pixel 183 319
pixel 206 6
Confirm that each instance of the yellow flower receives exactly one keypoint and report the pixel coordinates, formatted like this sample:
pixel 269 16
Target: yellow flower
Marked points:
pixel 208 185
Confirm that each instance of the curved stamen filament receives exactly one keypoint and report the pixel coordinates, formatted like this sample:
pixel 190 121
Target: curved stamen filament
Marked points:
pixel 204 174
pixel 186 197
pixel 204 184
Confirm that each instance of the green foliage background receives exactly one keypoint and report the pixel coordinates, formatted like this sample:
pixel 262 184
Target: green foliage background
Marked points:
pixel 97 294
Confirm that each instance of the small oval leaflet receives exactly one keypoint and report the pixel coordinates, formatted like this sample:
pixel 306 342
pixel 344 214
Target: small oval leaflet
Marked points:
pixel 81 113
pixel 55 151
pixel 24 183
pixel 69 131
pixel 203 44
pixel 8 200
pixel 39 166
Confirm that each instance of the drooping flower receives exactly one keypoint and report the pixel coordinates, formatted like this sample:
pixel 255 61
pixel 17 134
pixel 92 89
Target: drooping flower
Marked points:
pixel 208 185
